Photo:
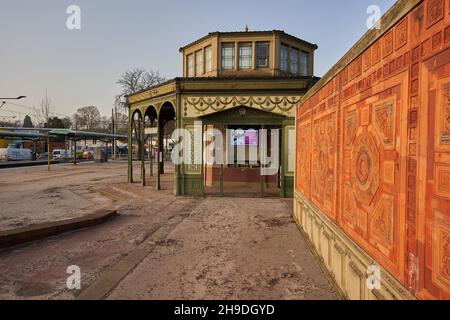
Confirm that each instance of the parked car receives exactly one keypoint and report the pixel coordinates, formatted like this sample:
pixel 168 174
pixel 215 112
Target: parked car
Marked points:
pixel 122 150
pixel 43 156
pixel 88 155
pixel 15 154
pixel 60 154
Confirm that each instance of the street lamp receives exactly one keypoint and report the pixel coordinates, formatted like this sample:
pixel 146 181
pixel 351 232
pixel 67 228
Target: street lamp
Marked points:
pixel 18 98
pixel 4 102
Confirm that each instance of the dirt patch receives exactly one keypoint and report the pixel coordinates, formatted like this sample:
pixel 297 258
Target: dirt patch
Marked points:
pixel 168 243
pixel 32 289
pixel 274 222
pixel 52 193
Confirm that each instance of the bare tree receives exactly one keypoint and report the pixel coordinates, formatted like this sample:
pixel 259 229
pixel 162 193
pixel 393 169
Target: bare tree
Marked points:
pixel 87 118
pixel 43 114
pixel 54 123
pixel 44 110
pixel 7 123
pixel 67 122
pixel 138 79
pixel 106 124
pixel 121 123
pixel 135 80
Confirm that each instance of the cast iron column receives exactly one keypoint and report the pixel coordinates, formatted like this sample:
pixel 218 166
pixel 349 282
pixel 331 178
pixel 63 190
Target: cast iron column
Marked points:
pixel 158 165
pixel 161 141
pixel 265 150
pixel 142 134
pixel 130 147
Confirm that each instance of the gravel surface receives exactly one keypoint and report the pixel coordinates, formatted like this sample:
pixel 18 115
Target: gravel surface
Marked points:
pixel 188 247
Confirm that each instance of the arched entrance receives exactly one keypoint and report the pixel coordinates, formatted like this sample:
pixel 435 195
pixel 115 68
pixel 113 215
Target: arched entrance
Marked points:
pixel 166 125
pixel 150 138
pixel 246 135
pixel 136 149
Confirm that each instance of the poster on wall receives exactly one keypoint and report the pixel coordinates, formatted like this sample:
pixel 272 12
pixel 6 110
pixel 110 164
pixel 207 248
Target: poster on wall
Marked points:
pixel 240 137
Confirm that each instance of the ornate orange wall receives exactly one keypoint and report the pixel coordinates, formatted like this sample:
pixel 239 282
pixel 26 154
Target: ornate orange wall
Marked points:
pixel 373 149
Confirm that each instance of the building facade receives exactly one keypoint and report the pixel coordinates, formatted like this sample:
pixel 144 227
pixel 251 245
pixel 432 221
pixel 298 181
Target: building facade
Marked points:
pixel 372 188
pixel 240 84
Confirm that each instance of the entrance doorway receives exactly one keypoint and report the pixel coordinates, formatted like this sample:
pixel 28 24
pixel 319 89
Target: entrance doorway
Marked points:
pixel 232 160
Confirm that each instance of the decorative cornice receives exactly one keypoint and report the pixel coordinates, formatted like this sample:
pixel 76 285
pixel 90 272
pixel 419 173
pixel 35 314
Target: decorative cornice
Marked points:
pixel 247 33
pixel 284 105
pixel 202 85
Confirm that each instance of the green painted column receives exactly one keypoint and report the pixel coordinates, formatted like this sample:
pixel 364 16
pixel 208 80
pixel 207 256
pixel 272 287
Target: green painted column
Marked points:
pixel 151 155
pixel 178 190
pixel 142 135
pixel 158 162
pixel 282 164
pixel 161 141
pixel 130 147
pixel 262 177
pixel 74 151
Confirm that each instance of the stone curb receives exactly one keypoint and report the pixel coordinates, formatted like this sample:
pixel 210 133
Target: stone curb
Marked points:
pixel 43 230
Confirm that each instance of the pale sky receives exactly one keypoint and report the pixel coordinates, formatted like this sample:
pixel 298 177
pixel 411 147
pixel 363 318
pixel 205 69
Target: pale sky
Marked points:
pixel 77 68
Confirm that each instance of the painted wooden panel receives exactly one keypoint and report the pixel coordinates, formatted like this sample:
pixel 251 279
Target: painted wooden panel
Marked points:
pixel 373 150
pixel 436 250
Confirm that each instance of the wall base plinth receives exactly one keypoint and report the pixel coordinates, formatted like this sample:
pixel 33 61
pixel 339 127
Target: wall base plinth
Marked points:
pixel 343 261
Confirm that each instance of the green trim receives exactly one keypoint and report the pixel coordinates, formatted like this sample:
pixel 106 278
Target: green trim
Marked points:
pixel 193 185
pixel 158 165
pixel 287 127
pixel 288 187
pixel 177 179
pixel 130 147
pixel 142 134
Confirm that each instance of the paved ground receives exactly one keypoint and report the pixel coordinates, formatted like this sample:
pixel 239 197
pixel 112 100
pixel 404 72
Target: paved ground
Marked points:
pixel 33 195
pixel 161 246
pixel 15 164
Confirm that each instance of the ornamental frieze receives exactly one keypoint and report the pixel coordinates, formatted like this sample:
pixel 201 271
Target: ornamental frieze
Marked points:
pixel 204 105
pixel 152 93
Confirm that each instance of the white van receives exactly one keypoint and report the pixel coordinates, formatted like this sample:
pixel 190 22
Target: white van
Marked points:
pixel 15 154
pixel 61 154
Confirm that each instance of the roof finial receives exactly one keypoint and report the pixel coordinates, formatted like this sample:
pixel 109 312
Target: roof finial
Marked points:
pixel 246 28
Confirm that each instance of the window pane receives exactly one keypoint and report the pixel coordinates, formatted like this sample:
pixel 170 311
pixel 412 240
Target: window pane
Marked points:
pixel 262 55
pixel 245 56
pixel 284 57
pixel 198 63
pixel 294 60
pixel 304 63
pixel 190 65
pixel 208 61
pixel 227 56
